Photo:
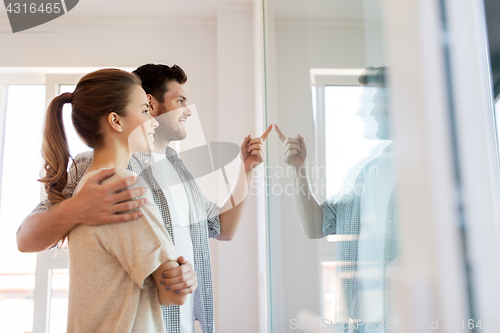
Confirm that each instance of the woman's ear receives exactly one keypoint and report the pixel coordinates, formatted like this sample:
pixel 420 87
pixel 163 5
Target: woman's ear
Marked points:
pixel 115 122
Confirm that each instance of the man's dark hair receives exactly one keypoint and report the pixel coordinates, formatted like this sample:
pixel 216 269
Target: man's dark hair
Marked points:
pixel 156 77
pixel 373 77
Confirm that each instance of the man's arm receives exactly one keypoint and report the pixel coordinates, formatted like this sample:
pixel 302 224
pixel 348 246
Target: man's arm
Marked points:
pixel 310 213
pixel 230 218
pixel 252 155
pixel 95 204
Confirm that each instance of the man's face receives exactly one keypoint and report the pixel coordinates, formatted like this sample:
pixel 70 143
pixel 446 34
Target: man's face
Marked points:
pixel 374 112
pixel 380 113
pixel 171 115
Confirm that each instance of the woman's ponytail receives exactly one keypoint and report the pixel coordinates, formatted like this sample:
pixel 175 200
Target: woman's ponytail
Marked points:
pixel 55 150
pixel 96 95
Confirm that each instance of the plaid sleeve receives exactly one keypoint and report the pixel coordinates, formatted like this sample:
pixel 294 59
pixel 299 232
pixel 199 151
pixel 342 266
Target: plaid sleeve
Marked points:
pixel 42 207
pixel 213 218
pixel 76 171
pixel 329 223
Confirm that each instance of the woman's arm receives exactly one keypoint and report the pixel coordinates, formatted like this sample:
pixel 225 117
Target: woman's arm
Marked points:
pixel 167 297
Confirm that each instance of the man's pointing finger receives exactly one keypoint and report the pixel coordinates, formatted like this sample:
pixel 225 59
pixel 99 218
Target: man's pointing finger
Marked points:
pixel 266 133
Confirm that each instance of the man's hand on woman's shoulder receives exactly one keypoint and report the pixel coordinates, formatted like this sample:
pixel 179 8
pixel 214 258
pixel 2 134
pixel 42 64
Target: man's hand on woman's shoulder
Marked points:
pixel 94 204
pixel 97 203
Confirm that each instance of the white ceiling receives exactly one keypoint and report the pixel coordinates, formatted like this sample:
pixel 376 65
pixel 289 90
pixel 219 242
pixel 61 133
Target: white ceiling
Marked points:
pixel 153 9
pixel 330 11
pixel 282 10
pixel 148 9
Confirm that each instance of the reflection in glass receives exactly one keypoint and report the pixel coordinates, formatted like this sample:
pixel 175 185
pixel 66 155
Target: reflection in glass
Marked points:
pixel 351 133
pixel 366 212
pixel 333 240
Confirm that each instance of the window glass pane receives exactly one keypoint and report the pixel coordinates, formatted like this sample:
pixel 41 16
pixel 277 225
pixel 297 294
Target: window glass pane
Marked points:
pixel 76 145
pixel 20 193
pixel 333 235
pixel 351 134
pixel 59 301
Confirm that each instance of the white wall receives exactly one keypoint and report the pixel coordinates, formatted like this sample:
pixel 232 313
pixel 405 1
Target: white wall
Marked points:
pixel 238 259
pixel 67 42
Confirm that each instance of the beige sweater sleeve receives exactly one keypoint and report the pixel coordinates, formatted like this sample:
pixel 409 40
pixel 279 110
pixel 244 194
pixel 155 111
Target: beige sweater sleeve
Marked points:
pixel 141 245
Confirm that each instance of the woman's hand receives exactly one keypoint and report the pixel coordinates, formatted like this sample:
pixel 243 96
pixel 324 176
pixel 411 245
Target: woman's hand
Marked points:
pixel 182 275
pixel 181 279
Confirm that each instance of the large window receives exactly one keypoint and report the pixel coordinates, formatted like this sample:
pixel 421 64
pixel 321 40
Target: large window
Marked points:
pixel 20 193
pixel 33 287
pixel 330 249
pixel 409 224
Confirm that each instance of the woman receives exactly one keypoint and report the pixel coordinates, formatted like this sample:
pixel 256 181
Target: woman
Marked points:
pixel 115 269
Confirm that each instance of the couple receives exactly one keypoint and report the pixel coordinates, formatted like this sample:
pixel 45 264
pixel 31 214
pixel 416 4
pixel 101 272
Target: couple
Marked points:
pixel 121 272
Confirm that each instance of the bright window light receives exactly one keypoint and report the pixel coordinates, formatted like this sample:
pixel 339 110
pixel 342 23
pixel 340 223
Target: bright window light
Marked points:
pixel 348 142
pixel 76 145
pixel 20 193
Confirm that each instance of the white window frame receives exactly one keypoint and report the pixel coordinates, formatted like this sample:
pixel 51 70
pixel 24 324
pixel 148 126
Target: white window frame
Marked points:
pixel 433 281
pixel 56 258
pixel 320 78
pixel 478 151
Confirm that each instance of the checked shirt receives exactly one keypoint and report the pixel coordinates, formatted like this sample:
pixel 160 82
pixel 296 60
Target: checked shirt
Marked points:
pixel 343 217
pixel 204 223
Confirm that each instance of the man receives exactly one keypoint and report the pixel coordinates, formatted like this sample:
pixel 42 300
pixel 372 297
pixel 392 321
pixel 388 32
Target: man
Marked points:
pixel 164 87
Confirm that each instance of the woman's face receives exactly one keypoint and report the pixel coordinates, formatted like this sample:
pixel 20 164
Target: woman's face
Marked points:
pixel 139 124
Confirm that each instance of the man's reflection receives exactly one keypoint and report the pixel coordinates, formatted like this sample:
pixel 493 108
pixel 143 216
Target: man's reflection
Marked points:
pixel 364 218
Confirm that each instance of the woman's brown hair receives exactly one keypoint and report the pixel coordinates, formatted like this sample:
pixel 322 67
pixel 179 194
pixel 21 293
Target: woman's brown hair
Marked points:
pixel 96 95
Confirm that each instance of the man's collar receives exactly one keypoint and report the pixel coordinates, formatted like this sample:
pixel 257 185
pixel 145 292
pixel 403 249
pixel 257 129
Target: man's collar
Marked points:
pixel 171 153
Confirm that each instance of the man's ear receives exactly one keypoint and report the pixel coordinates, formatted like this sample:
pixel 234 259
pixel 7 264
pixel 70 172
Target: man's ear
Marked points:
pixel 114 121
pixel 153 105
pixel 150 101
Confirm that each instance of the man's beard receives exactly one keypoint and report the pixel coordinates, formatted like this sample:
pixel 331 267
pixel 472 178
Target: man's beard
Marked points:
pixel 161 139
pixel 167 130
